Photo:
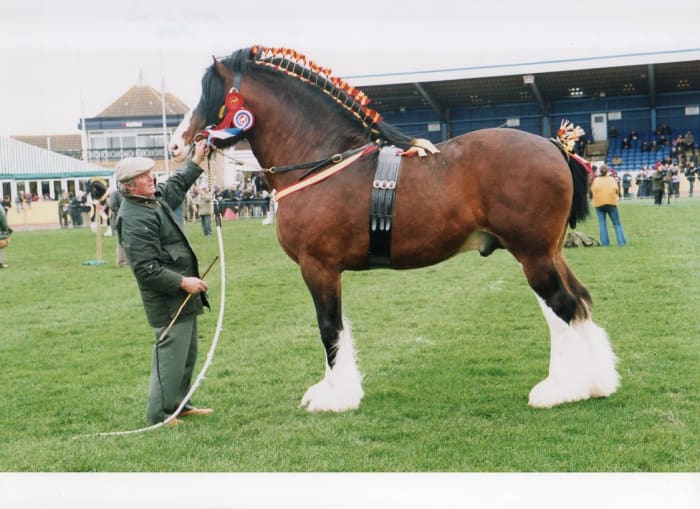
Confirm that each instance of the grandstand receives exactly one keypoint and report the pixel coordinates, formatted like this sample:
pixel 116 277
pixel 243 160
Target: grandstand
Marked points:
pixel 634 158
pixel 639 92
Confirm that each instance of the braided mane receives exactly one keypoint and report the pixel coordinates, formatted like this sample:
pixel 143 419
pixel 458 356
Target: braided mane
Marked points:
pixel 293 63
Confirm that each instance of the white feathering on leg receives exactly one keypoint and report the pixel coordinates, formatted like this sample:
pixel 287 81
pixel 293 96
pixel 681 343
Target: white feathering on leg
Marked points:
pixel 582 364
pixel 341 388
pixel 604 377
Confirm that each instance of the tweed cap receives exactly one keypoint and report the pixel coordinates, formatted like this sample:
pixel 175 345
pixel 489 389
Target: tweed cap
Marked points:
pixel 131 167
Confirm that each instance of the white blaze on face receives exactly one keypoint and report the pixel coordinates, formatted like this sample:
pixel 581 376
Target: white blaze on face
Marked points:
pixel 178 147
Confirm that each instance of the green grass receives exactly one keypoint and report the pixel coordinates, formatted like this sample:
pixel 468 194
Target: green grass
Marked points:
pixel 449 354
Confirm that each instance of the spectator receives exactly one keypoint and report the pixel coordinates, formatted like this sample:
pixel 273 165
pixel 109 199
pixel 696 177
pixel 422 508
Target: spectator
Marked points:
pixel 648 182
pixel 690 173
pixel 76 216
pixel 85 208
pixel 206 208
pixel 5 232
pixel 657 185
pixel 626 184
pixel 115 201
pixel 625 145
pixel 605 194
pixel 63 210
pixel 675 182
pixel 6 203
pixel 689 141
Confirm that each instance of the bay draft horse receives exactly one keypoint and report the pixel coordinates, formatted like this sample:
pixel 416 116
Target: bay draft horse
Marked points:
pixel 445 203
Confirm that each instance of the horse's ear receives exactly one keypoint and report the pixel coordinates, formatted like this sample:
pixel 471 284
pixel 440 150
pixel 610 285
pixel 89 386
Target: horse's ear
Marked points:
pixel 220 68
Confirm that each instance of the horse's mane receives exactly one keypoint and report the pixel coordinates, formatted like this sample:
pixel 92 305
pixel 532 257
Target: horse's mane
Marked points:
pixel 287 61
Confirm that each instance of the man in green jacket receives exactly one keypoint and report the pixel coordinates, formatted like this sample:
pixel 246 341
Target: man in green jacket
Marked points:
pixel 166 271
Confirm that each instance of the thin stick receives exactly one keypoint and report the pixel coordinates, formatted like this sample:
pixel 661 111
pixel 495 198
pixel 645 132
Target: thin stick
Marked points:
pixel 185 301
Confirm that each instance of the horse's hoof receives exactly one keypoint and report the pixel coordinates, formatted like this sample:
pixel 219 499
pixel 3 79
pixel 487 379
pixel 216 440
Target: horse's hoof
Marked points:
pixel 550 393
pixel 323 398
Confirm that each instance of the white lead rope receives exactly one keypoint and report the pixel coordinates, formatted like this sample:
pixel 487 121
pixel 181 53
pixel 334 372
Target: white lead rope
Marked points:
pixel 207 362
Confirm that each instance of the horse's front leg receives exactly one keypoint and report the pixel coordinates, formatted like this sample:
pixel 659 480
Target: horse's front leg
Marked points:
pixel 341 387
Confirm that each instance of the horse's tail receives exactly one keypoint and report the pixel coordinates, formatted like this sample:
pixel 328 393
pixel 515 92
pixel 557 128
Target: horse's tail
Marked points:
pixel 580 175
pixel 580 172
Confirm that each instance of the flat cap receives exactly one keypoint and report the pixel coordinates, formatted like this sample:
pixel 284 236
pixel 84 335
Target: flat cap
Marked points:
pixel 131 167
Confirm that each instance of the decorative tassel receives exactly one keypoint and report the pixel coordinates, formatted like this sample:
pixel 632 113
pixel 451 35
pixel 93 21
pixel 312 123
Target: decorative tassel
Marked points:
pixel 568 134
pixel 425 144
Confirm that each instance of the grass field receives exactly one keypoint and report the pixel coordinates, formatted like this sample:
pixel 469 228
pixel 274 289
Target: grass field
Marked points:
pixel 449 354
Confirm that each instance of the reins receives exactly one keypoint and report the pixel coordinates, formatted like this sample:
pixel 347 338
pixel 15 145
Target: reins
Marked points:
pixel 319 164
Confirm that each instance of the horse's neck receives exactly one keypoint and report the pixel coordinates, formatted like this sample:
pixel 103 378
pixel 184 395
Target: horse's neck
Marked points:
pixel 297 127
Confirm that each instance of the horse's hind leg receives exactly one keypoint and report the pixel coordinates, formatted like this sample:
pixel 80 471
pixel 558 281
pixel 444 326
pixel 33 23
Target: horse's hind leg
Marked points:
pixel 582 363
pixel 341 387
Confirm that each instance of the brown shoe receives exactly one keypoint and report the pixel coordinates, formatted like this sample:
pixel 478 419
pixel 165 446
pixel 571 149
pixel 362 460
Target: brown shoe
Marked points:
pixel 175 422
pixel 191 410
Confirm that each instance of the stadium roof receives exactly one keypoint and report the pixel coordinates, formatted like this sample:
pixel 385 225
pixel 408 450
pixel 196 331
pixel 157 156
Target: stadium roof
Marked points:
pixel 644 74
pixel 21 161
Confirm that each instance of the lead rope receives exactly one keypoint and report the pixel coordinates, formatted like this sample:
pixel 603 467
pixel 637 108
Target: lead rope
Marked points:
pixel 215 340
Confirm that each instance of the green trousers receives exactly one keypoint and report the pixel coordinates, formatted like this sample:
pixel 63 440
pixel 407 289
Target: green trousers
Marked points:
pixel 172 366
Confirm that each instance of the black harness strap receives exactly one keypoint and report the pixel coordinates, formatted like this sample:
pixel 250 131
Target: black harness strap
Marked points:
pixel 383 192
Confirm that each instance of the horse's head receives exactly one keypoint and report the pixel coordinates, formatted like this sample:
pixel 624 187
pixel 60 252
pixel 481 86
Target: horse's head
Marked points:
pixel 217 80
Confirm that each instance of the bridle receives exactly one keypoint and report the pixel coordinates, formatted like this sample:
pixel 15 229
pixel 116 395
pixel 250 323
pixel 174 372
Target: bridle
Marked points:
pixel 235 120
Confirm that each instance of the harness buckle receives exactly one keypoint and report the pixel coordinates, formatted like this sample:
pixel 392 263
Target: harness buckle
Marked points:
pixel 337 158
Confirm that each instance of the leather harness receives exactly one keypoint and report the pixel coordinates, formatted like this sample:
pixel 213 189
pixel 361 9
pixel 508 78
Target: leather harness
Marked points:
pixel 386 178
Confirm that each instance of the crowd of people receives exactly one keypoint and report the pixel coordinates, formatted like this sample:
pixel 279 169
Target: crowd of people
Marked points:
pixel 678 161
pixel 250 198
pixel 74 210
pixel 661 180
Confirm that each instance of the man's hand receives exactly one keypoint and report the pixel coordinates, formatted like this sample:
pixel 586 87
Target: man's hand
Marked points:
pixel 193 285
pixel 201 150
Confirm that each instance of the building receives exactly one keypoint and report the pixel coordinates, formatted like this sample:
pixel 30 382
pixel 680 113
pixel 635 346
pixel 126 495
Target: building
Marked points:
pixel 42 173
pixel 140 123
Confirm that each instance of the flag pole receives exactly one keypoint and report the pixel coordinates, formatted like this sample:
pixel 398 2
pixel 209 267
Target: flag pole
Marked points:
pixel 166 156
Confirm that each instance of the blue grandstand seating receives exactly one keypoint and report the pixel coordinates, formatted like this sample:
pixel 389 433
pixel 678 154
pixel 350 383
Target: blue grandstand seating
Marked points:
pixel 633 159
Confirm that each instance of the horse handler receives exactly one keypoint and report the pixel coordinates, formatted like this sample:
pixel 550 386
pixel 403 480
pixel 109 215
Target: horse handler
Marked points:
pixel 166 271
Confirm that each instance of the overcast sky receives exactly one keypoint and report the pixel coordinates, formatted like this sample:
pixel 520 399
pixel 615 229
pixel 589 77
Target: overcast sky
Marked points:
pixel 63 59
